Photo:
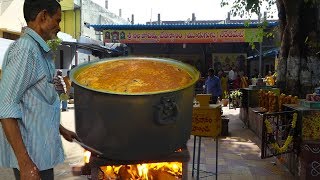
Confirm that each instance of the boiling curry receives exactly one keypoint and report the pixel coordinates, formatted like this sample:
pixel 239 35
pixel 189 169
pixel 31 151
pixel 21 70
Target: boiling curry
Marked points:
pixel 133 76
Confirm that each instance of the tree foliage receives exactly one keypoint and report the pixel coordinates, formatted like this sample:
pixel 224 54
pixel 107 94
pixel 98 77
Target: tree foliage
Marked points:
pixel 246 8
pixel 298 31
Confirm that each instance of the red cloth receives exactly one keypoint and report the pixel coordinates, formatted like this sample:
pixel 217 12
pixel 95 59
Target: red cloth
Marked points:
pixel 236 83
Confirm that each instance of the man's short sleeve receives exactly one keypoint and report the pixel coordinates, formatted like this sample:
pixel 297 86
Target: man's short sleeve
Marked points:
pixel 17 76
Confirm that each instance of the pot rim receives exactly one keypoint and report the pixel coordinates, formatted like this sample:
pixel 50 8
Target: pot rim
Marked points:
pixel 192 71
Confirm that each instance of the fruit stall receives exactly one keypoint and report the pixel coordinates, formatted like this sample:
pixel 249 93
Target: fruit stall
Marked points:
pixel 250 99
pixel 306 159
pixel 289 129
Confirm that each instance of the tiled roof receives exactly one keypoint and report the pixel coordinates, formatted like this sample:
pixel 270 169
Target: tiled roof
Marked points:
pixel 100 27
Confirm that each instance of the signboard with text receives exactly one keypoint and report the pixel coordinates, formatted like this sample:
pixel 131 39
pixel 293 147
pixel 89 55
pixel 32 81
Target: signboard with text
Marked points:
pixel 182 36
pixel 206 121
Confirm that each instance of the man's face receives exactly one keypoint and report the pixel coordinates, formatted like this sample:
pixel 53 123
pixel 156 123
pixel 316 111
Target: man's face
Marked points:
pixel 51 25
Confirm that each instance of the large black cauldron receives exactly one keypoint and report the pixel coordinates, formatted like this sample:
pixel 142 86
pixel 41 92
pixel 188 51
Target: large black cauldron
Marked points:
pixel 134 127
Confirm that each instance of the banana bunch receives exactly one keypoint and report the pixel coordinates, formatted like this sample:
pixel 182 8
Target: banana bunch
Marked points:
pixel 273 102
pixel 284 99
pixel 261 97
pixel 266 101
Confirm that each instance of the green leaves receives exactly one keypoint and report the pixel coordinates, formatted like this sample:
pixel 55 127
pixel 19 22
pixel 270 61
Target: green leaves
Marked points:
pixel 243 8
pixel 224 3
pixel 236 94
pixel 247 23
pixel 246 8
pixel 54 43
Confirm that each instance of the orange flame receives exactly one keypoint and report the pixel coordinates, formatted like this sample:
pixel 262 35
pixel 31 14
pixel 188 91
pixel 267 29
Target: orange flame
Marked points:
pixel 86 156
pixel 144 171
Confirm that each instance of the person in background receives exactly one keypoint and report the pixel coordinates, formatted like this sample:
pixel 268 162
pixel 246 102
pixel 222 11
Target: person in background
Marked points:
pixel 270 79
pixel 72 87
pixel 232 76
pixel 61 88
pixel 213 86
pixel 244 80
pixel 224 83
pixel 237 83
pixel 30 128
pixel 67 81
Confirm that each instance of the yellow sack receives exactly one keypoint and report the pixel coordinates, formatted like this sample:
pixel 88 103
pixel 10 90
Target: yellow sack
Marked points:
pixel 64 97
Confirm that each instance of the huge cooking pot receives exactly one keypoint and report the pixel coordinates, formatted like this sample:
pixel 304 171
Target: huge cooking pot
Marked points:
pixel 134 126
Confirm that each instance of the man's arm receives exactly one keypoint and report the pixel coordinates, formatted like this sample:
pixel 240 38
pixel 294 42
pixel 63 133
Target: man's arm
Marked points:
pixel 68 135
pixel 13 134
pixel 19 72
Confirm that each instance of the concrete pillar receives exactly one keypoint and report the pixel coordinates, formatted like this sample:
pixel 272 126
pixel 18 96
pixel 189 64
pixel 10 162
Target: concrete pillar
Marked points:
pixel 159 19
pixel 76 57
pixel 132 19
pixel 260 50
pixel 106 4
pixel 193 18
pixel 228 17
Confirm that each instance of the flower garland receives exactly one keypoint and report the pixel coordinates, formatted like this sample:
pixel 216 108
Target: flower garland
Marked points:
pixel 289 139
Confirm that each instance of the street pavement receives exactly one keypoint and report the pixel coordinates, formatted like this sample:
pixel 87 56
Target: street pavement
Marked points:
pixel 239 155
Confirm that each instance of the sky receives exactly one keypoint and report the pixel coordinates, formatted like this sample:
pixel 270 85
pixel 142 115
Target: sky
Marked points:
pixel 146 10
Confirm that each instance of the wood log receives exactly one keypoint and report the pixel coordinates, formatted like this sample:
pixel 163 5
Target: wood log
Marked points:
pixel 124 173
pixel 165 176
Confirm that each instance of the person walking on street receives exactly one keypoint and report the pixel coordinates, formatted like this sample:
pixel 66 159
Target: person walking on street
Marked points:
pixel 213 86
pixel 30 129
pixel 61 88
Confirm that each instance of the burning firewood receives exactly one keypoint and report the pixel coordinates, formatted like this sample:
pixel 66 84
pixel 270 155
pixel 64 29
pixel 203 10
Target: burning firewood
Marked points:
pixel 155 171
pixel 165 176
pixel 161 175
pixel 125 174
pixel 134 171
pixel 152 174
pixel 109 172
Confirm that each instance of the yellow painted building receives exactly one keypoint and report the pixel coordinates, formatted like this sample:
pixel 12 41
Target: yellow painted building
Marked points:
pixel 70 22
pixel 12 20
pixel 70 18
